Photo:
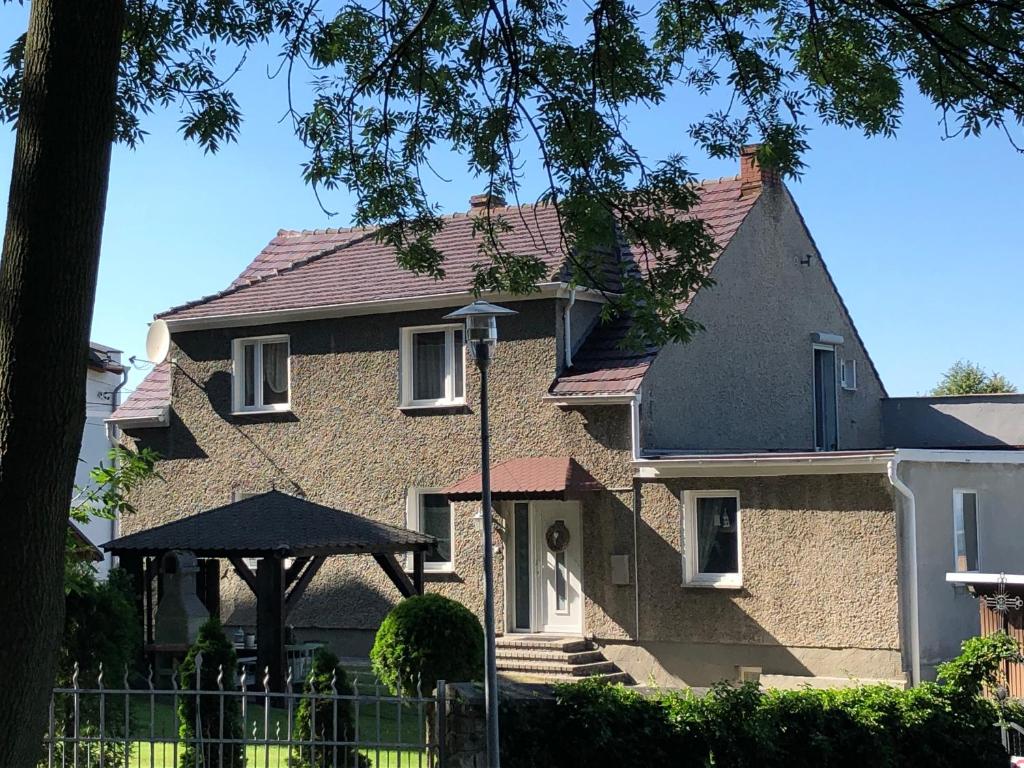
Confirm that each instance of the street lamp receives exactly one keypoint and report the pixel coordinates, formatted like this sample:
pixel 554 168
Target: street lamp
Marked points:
pixel 481 338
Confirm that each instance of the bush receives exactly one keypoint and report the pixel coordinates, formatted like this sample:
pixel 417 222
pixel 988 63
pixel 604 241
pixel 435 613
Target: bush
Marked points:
pixel 425 639
pixel 218 653
pixel 333 720
pixel 945 725
pixel 101 627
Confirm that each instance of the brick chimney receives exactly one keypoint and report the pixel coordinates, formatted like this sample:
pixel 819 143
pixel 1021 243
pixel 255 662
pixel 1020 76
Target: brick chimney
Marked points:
pixel 752 175
pixel 480 203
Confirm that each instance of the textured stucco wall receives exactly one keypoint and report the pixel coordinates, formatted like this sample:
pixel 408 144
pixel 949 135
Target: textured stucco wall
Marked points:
pixel 745 383
pixel 819 560
pixel 346 443
pixel 948 615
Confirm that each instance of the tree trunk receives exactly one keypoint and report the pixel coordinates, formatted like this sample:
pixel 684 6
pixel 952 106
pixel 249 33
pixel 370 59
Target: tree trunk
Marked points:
pixel 47 285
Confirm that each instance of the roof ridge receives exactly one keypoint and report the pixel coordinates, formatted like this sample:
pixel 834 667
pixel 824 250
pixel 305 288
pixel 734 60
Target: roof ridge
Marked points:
pixel 249 282
pixel 323 231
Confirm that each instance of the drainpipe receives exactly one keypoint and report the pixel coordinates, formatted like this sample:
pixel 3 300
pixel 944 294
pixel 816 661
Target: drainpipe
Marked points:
pixel 112 431
pixel 910 517
pixel 635 450
pixel 567 326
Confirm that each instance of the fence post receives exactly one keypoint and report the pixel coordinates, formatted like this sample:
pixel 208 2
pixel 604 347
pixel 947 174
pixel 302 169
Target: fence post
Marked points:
pixel 441 723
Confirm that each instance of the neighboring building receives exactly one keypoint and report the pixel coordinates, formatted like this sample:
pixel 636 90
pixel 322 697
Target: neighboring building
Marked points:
pixel 103 383
pixel 963 470
pixel 727 502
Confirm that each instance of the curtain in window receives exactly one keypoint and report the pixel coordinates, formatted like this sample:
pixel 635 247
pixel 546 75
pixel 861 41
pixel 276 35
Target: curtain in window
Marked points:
pixel 428 374
pixel 717 543
pixel 275 373
pixel 436 512
pixel 249 374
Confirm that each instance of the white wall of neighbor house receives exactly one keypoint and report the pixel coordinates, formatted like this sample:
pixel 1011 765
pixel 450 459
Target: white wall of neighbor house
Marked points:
pixel 746 382
pixel 949 614
pixel 96 445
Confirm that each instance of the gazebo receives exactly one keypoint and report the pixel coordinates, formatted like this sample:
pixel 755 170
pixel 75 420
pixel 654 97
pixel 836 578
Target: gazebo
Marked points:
pixel 271 527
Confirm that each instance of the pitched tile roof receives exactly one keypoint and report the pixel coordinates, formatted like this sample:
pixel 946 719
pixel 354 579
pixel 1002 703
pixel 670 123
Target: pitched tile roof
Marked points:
pixel 269 523
pixel 545 477
pixel 330 267
pixel 149 405
pixel 324 268
pixel 602 366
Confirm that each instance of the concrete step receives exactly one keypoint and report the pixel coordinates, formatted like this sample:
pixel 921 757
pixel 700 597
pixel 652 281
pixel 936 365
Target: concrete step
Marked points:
pixel 533 654
pixel 558 668
pixel 527 677
pixel 544 643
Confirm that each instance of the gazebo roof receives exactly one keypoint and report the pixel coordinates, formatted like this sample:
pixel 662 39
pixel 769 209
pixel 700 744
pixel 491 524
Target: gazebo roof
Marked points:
pixel 272 523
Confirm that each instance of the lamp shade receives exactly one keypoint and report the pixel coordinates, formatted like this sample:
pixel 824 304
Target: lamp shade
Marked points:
pixel 481 326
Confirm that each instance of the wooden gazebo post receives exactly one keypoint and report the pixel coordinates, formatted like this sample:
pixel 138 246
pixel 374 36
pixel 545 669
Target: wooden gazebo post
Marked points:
pixel 270 651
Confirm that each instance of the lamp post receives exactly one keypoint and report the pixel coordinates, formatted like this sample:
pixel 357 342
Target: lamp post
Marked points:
pixel 481 338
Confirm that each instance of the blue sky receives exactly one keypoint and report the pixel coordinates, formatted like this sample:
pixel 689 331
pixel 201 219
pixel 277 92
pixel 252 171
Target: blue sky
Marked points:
pixel 922 236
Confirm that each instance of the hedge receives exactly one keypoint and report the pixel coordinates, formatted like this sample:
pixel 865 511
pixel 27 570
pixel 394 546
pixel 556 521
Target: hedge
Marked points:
pixel 938 725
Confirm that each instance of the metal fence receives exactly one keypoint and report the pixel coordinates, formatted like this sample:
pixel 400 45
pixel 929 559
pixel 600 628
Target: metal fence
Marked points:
pixel 1013 738
pixel 362 726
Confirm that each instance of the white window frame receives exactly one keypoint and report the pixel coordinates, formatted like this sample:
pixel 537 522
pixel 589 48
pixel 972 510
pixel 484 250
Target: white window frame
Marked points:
pixel 834 349
pixel 414 522
pixel 406 349
pixel 958 517
pixel 688 526
pixel 238 370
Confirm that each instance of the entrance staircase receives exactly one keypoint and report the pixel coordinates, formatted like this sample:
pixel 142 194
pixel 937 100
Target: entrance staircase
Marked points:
pixel 550 658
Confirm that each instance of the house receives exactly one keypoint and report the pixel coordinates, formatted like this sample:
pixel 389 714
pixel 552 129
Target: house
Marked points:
pixel 718 509
pixel 105 377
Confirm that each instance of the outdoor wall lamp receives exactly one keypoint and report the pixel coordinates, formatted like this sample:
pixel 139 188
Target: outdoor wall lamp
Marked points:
pixel 481 338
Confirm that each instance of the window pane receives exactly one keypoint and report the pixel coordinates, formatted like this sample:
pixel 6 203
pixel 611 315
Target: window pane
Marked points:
pixel 561 584
pixel 825 437
pixel 436 514
pixel 457 377
pixel 428 365
pixel 522 555
pixel 966 533
pixel 717 541
pixel 249 374
pixel 275 373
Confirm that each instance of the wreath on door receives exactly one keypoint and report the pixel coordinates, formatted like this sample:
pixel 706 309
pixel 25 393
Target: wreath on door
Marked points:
pixel 557 536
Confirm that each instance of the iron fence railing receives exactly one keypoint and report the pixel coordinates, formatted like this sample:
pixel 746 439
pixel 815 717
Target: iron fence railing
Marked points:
pixel 1013 737
pixel 362 726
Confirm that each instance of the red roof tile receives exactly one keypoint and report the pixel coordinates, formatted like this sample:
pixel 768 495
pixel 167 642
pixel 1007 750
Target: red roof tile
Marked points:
pixel 150 403
pixel 546 477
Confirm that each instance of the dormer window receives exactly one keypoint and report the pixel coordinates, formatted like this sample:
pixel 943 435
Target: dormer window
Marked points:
pixel 261 379
pixel 433 365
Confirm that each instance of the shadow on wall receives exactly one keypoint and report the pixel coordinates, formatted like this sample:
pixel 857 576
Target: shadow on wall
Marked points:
pixel 175 441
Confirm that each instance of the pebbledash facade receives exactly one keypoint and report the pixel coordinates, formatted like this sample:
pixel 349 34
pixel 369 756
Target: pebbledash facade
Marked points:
pixel 727 502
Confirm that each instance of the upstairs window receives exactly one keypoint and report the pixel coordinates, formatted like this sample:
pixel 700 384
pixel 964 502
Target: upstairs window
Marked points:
pixel 826 411
pixel 712 538
pixel 433 365
pixel 261 375
pixel 430 512
pixel 965 531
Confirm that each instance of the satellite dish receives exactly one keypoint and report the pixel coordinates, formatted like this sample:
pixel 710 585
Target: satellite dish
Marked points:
pixel 158 341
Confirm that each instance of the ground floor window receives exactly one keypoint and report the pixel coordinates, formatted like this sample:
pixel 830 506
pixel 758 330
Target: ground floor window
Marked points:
pixel 430 512
pixel 711 536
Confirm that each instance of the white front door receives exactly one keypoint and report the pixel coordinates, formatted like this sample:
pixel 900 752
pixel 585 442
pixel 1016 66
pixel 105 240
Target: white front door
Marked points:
pixel 557 595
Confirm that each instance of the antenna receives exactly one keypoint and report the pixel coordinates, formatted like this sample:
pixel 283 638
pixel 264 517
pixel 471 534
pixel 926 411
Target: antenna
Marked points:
pixel 158 342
